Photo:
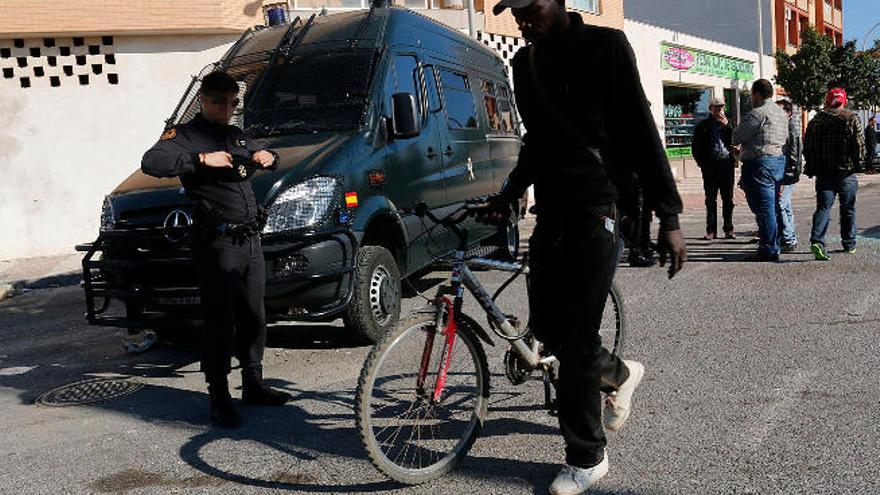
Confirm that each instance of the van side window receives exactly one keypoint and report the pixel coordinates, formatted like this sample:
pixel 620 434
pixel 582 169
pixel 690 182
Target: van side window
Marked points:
pixel 505 110
pixel 458 100
pixel 404 77
pixel 491 104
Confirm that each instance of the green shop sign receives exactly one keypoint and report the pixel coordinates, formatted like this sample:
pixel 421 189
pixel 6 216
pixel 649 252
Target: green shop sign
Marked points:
pixel 679 152
pixel 674 57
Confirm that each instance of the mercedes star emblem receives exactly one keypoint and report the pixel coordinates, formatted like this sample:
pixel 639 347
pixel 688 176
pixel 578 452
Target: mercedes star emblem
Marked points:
pixel 176 226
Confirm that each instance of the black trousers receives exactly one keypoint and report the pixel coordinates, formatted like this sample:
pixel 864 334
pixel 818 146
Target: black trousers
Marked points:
pixel 571 267
pixel 718 178
pixel 232 279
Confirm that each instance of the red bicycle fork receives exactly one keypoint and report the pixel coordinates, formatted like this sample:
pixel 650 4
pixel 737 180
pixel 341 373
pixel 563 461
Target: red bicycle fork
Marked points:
pixel 449 332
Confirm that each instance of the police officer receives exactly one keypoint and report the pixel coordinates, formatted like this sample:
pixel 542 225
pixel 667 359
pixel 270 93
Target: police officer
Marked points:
pixel 214 161
pixel 589 129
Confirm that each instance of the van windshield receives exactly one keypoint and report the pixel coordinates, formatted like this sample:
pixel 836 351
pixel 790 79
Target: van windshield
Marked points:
pixel 312 92
pixel 307 92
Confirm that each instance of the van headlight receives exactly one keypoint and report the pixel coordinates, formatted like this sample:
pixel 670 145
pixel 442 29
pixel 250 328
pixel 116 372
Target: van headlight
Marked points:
pixel 303 205
pixel 107 220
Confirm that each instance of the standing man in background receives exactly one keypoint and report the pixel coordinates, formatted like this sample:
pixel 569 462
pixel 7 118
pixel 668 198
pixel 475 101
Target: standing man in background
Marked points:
pixel 711 150
pixel 834 149
pixel 870 144
pixel 793 150
pixel 762 134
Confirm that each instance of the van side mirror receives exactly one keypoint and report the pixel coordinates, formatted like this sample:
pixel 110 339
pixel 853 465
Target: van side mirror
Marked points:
pixel 404 116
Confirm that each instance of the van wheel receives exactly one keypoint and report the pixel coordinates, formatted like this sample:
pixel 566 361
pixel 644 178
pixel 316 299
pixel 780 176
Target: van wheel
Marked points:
pixel 375 304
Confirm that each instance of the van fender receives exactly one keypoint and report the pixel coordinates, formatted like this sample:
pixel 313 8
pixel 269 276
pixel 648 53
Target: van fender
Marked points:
pixel 372 209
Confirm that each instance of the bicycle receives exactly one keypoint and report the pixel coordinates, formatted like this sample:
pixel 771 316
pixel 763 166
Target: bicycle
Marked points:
pixel 423 392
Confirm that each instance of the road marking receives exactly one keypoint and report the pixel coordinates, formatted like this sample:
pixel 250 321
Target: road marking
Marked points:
pixel 786 395
pixel 16 370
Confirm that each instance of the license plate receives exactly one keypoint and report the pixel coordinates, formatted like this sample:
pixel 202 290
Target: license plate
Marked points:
pixel 179 301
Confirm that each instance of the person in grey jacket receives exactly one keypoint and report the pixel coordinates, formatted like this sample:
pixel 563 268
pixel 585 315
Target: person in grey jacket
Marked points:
pixel 762 133
pixel 793 165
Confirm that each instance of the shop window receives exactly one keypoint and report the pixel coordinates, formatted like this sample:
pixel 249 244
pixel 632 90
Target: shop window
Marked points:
pixel 591 6
pixel 684 108
pixel 330 4
pixel 458 100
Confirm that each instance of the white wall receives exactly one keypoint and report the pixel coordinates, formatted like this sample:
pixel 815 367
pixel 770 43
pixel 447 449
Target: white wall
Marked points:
pixel 63 148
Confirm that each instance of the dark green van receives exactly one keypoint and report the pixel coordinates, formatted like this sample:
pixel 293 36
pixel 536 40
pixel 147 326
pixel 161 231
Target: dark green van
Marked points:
pixel 370 112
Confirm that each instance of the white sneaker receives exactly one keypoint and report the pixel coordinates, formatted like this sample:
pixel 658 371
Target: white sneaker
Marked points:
pixel 619 404
pixel 573 480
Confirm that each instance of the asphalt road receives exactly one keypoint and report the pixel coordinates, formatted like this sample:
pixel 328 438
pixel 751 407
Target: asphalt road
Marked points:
pixel 761 378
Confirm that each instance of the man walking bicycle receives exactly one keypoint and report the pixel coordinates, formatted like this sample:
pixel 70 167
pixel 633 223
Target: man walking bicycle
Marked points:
pixel 586 134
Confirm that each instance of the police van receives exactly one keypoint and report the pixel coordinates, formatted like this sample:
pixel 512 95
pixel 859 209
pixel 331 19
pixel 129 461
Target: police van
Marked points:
pixel 370 112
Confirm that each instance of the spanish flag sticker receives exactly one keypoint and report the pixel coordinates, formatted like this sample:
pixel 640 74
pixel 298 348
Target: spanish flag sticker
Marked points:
pixel 351 199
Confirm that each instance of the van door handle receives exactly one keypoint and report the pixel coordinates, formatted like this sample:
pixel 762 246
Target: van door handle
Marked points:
pixel 431 153
pixel 449 151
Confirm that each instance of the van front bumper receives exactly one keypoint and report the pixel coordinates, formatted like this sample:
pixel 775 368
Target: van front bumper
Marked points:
pixel 309 277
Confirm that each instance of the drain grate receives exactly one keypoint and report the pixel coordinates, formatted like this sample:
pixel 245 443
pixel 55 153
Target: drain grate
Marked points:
pixel 88 392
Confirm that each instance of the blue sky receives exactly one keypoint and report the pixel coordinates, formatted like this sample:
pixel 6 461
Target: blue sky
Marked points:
pixel 859 16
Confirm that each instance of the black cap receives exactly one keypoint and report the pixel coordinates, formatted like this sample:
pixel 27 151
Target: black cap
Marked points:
pixel 513 4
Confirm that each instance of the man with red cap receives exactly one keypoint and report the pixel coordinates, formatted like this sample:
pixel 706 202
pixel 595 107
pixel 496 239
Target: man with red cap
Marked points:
pixel 834 149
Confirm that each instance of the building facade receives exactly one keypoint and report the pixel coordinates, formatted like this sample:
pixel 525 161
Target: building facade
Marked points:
pixel 688 52
pixel 793 17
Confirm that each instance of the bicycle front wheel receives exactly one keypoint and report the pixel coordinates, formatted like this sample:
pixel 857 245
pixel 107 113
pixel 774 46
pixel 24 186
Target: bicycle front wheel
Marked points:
pixel 412 430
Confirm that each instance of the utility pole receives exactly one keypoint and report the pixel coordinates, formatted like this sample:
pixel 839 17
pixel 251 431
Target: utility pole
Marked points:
pixel 471 14
pixel 760 39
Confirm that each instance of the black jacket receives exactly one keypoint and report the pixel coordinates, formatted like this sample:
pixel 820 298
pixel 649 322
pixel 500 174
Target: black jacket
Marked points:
pixel 223 193
pixel 702 145
pixel 590 76
pixel 870 142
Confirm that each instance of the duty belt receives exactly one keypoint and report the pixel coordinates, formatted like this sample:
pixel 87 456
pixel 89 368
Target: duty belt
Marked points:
pixel 238 231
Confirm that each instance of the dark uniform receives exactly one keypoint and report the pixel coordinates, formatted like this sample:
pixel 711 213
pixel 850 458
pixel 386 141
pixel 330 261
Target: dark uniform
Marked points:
pixel 574 248
pixel 870 147
pixel 226 242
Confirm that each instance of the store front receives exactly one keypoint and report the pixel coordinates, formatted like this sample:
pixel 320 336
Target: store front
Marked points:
pixel 680 74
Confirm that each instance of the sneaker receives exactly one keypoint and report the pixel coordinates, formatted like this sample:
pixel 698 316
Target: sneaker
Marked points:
pixel 730 235
pixel 618 404
pixel 819 252
pixel 849 251
pixel 788 247
pixel 573 480
pixel 709 236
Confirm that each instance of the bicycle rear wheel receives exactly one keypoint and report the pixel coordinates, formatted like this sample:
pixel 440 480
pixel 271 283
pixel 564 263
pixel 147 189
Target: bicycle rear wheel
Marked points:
pixel 408 435
pixel 613 326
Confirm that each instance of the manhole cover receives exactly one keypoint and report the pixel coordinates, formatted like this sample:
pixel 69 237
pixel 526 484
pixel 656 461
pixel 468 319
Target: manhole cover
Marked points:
pixel 88 392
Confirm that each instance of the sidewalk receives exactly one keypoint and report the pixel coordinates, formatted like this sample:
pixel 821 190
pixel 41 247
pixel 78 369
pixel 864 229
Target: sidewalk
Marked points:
pixel 693 198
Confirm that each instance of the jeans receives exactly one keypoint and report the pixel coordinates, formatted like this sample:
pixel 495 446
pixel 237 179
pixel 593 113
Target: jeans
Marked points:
pixel 571 266
pixel 787 232
pixel 761 178
pixel 718 178
pixel 827 187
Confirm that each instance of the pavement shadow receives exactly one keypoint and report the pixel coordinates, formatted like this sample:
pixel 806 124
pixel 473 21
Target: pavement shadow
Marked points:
pixel 52 281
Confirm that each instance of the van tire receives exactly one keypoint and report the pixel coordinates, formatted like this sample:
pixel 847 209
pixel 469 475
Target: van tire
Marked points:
pixel 375 304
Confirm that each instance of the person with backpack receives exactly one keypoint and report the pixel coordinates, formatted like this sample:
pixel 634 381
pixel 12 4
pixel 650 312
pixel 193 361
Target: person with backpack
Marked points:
pixel 834 149
pixel 793 167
